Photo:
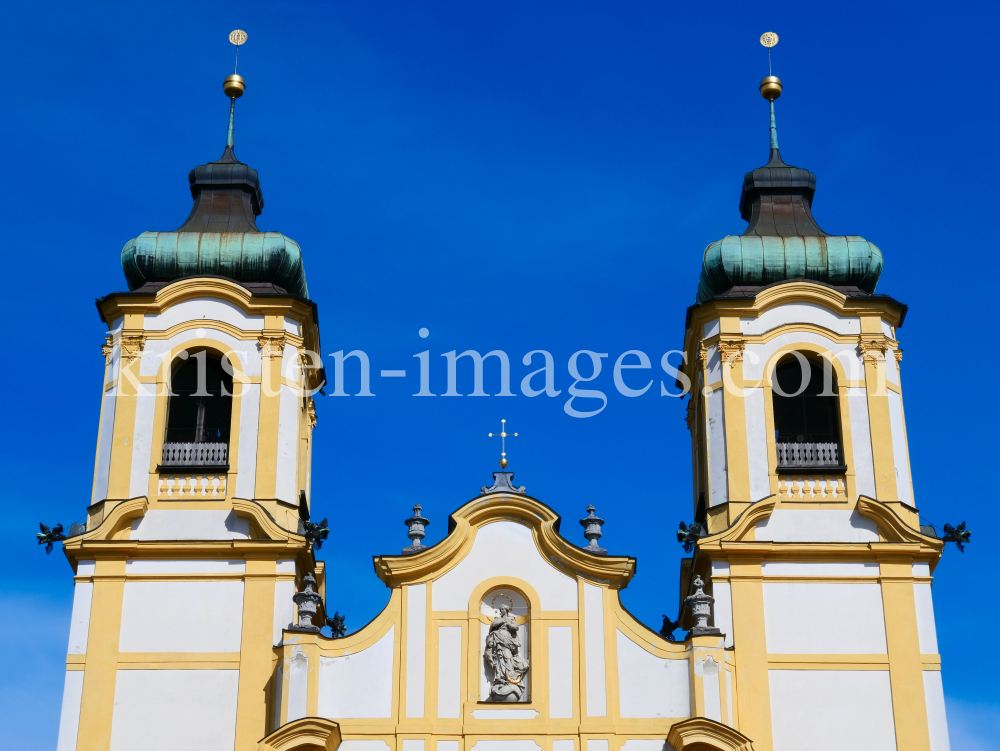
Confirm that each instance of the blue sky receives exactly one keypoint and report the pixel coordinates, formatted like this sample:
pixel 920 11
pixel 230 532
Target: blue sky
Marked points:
pixel 512 176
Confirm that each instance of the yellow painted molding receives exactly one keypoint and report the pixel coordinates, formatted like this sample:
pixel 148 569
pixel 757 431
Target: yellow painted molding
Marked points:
pixel 305 734
pixel 396 570
pixel 264 523
pixel 116 515
pixel 702 734
pixel 891 527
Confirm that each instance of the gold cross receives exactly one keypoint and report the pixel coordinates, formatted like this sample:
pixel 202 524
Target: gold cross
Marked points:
pixel 503 443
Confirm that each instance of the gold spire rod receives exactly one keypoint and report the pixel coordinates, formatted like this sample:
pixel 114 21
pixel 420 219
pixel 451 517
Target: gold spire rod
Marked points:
pixel 234 85
pixel 503 443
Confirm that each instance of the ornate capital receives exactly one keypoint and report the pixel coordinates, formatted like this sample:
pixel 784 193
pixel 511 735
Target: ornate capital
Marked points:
pixel 702 357
pixel 731 350
pixel 898 354
pixel 132 346
pixel 107 348
pixel 689 418
pixel 271 346
pixel 875 348
pixel 311 412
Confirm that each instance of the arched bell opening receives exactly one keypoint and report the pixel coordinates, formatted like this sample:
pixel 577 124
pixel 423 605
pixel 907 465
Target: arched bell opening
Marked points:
pixel 199 412
pixel 805 402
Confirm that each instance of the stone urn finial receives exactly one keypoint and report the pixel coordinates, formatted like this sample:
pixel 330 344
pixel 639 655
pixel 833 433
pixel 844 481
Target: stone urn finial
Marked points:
pixel 592 531
pixel 308 601
pixel 417 525
pixel 700 605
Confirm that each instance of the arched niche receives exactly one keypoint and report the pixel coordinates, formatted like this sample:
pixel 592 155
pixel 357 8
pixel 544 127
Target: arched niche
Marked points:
pixel 505 646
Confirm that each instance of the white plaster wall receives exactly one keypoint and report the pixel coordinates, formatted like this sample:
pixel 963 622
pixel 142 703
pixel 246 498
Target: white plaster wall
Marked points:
pixel 292 326
pixel 838 569
pixel 142 440
pixel 504 548
pixel 717 465
pixel 416 646
pixel 156 350
pixel 178 524
pixel 449 671
pixel 284 609
pixel 713 365
pixel 937 721
pixel 643 744
pixel 816 525
pixel 79 625
pixel 207 308
pixel 104 437
pixel 363 746
pixel 288 441
pixel 855 711
pixel 69 717
pixel 184 566
pixel 824 618
pixel 708 669
pixel 563 744
pixel 166 710
pixel 298 685
pixel 861 440
pixel 451 746
pixel 711 328
pixel 560 672
pixel 246 462
pixel 358 685
pixel 506 745
pixel 168 616
pixel 597 744
pixel 800 312
pixel 413 744
pixel 651 686
pixel 760 484
pixel 900 453
pixel 722 608
pixel 593 613
pixel 926 628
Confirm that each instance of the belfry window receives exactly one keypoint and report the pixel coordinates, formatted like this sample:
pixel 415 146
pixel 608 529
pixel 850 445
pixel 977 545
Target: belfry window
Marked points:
pixel 806 415
pixel 199 413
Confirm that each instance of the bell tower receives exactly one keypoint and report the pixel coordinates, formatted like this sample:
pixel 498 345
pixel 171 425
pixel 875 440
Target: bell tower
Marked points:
pixel 193 546
pixel 811 539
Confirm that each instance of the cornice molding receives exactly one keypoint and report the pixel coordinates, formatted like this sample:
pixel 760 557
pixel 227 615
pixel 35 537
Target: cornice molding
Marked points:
pixel 702 734
pixel 395 570
pixel 304 734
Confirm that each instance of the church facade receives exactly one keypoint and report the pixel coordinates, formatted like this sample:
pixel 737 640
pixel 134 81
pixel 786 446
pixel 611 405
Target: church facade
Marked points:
pixel 199 600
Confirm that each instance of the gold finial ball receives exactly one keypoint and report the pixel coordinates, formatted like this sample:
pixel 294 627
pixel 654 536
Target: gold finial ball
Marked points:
pixel 770 88
pixel 237 36
pixel 768 39
pixel 503 464
pixel 234 86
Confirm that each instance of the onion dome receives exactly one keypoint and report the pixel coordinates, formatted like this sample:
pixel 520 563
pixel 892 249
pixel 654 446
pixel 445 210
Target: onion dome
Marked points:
pixel 782 241
pixel 220 236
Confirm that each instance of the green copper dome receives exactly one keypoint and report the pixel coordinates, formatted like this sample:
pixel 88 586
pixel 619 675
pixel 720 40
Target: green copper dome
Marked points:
pixel 240 256
pixel 755 261
pixel 782 241
pixel 219 237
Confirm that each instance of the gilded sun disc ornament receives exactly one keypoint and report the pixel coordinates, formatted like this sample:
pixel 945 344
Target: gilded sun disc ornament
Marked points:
pixel 768 39
pixel 238 37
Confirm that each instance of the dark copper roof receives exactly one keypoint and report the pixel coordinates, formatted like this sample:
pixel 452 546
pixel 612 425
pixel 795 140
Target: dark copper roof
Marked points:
pixel 227 196
pixel 777 200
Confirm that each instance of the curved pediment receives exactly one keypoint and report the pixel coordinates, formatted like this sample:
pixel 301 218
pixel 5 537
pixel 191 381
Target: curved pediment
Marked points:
pixel 541 527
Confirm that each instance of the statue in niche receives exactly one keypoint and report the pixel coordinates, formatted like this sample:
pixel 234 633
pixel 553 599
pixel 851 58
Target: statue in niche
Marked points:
pixel 503 648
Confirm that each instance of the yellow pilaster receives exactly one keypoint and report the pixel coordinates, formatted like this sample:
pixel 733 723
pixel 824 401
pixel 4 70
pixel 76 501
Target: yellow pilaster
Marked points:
pixel 737 461
pixel 272 342
pixel 753 709
pixel 878 410
pixel 908 704
pixel 120 472
pixel 101 667
pixel 255 653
